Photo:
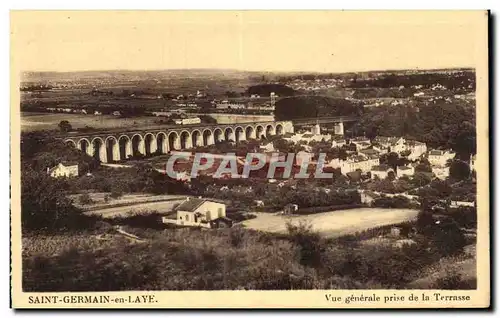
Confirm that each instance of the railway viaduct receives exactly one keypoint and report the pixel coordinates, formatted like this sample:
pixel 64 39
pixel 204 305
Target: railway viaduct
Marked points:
pixel 119 144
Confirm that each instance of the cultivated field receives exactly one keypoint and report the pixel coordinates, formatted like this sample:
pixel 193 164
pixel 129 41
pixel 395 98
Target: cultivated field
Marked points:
pixel 335 223
pixel 143 208
pixel 48 121
pixel 99 201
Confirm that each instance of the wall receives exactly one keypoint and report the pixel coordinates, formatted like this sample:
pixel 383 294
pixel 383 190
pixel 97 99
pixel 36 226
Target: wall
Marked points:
pixel 210 209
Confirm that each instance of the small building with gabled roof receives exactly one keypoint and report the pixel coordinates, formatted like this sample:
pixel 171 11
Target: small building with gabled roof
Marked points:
pixel 200 213
pixel 66 169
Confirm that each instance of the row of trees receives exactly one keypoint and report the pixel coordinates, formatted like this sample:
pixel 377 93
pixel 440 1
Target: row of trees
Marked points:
pixel 315 106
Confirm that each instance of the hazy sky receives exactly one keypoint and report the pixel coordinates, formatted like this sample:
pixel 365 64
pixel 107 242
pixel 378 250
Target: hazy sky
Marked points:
pixel 260 41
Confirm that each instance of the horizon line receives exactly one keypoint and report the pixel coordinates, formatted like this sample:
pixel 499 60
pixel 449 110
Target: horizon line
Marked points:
pixel 252 71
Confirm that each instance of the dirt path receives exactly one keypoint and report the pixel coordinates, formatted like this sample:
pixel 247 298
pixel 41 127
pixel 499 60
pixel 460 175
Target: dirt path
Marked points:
pixel 335 223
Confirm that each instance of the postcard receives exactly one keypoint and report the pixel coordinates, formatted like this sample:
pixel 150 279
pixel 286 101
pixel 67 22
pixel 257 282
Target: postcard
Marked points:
pixel 250 159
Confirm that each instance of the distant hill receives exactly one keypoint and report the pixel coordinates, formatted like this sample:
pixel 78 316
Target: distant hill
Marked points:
pixel 131 75
pixel 314 106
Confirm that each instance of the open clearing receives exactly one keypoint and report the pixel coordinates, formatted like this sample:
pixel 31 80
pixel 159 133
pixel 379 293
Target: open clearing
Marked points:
pixel 335 223
pixel 49 121
pixel 99 201
pixel 160 207
pixel 41 121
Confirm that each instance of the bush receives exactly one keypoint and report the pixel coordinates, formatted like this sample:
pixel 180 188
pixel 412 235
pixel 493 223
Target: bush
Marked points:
pixel 454 281
pixel 116 193
pixel 85 199
pixel 308 241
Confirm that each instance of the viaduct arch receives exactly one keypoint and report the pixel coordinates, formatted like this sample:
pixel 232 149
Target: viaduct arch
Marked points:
pixel 112 146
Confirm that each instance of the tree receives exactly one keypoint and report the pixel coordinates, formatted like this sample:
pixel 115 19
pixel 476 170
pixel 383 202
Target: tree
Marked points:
pixel 459 170
pixel 64 126
pixel 44 205
pixel 420 179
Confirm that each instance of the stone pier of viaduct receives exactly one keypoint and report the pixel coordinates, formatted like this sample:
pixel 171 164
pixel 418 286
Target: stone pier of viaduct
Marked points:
pixel 115 145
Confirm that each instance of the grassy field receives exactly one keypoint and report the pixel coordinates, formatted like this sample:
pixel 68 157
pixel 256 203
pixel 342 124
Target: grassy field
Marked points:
pixel 161 207
pixel 99 199
pixel 49 121
pixel 333 224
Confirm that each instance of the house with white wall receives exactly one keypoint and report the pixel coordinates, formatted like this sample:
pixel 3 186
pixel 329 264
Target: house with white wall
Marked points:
pixel 406 171
pixel 360 142
pixel 416 149
pixel 361 162
pixel 395 144
pixel 200 212
pixel 64 169
pixel 439 158
pixel 381 171
pixel 441 172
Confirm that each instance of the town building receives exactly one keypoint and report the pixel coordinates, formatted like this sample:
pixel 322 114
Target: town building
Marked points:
pixel 441 172
pixel 188 121
pixel 314 135
pixel 64 169
pixel 439 158
pixel 380 149
pixel 200 213
pixel 415 148
pixel 380 171
pixel 338 141
pixel 290 208
pixel 394 144
pixel 406 171
pixel 361 143
pixel 358 162
pixel 267 147
pixel 227 105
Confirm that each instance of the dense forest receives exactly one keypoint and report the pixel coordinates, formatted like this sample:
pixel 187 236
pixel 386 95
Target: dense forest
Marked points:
pixel 440 125
pixel 314 106
pixel 266 89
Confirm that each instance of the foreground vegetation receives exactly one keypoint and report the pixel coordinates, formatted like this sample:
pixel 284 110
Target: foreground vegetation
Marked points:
pixel 194 259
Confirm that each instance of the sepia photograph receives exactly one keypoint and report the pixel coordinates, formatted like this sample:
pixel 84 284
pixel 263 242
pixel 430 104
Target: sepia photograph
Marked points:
pixel 334 158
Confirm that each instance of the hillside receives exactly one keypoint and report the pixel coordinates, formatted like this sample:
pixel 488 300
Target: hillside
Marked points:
pixel 314 106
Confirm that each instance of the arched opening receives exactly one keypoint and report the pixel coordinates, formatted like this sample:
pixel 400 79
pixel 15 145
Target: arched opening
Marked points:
pixel 137 145
pixel 185 140
pixel 279 129
pixel 173 141
pixel 160 142
pixel 149 144
pixel 260 132
pixel 250 133
pixel 84 145
pixel 196 139
pixel 98 149
pixel 125 147
pixel 207 137
pixel 112 149
pixel 70 143
pixel 240 135
pixel 218 135
pixel 269 130
pixel 229 134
